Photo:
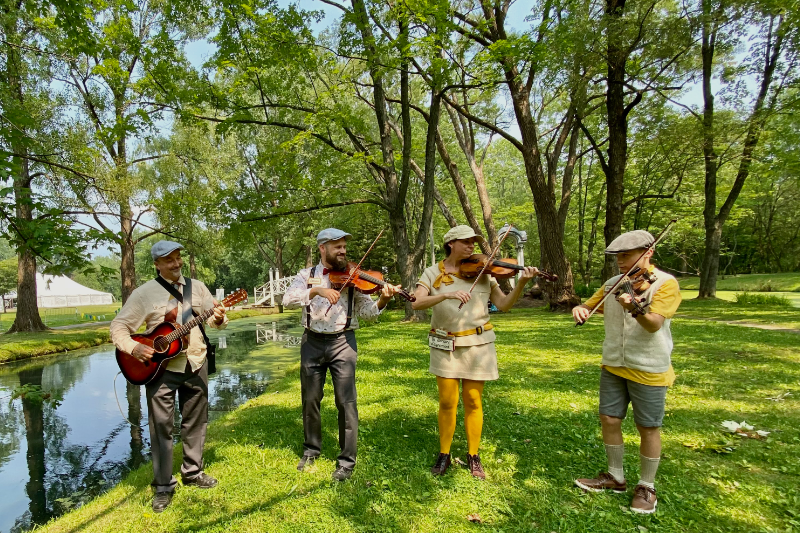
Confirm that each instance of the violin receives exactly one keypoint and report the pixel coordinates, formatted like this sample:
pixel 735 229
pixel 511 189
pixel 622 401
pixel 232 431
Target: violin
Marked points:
pixel 635 284
pixel 366 281
pixel 499 268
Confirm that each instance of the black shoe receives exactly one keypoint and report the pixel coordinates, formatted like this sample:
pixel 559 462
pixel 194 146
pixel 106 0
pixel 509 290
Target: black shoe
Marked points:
pixel 341 473
pixel 161 501
pixel 306 461
pixel 442 463
pixel 201 481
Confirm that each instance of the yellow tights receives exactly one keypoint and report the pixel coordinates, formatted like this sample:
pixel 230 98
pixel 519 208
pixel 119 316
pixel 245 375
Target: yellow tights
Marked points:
pixel 448 406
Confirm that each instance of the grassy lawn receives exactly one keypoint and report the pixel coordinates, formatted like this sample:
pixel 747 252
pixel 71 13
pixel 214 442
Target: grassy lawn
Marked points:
pixel 16 346
pixel 782 282
pixel 541 431
pixel 65 316
pixel 784 317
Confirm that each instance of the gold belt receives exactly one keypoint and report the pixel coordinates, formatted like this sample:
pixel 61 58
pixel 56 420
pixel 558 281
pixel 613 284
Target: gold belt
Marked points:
pixel 476 331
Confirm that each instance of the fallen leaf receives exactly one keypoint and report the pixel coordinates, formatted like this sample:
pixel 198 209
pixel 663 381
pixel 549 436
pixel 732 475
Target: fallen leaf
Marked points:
pixel 573 405
pixel 459 462
pixel 642 528
pixel 527 441
pixel 474 517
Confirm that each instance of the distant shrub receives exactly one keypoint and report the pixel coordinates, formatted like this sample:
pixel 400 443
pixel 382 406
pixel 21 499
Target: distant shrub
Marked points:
pixel 765 287
pixel 749 298
pixel 585 291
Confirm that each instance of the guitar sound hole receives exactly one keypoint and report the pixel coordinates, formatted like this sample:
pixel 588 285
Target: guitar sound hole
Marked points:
pixel 158 344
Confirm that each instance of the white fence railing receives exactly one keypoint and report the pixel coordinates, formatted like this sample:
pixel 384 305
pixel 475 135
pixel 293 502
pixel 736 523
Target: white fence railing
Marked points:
pixel 266 294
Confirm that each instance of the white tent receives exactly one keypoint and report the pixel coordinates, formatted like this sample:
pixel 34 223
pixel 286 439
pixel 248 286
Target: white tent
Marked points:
pixel 60 291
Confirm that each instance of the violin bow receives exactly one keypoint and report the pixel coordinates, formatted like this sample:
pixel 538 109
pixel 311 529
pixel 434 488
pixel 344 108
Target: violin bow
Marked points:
pixel 488 262
pixel 354 272
pixel 622 279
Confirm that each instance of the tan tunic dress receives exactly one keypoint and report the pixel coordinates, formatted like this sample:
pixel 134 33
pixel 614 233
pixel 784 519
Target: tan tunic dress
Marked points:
pixel 474 356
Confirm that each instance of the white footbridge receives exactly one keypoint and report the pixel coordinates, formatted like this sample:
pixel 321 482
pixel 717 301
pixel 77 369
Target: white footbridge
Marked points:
pixel 267 294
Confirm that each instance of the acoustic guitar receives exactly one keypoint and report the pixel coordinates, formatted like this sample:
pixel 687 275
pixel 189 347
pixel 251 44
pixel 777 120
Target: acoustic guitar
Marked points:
pixel 167 339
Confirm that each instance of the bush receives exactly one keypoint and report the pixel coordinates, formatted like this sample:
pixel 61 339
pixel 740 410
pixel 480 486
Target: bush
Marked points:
pixel 585 291
pixel 749 298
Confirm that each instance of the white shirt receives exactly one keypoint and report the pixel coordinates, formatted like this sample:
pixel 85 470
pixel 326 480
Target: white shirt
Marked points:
pixel 336 318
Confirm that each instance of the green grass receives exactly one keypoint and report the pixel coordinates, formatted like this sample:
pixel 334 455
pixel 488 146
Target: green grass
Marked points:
pixel 541 431
pixel 766 314
pixel 782 282
pixel 16 346
pixel 64 316
pixel 755 298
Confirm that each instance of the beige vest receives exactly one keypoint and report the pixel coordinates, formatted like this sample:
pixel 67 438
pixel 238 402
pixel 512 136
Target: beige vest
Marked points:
pixel 446 316
pixel 627 343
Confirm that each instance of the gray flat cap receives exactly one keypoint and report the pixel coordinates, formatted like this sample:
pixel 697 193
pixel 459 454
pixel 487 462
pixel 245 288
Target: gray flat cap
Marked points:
pixel 164 248
pixel 331 234
pixel 633 240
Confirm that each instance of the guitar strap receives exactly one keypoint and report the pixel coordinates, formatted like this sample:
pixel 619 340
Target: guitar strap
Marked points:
pixel 186 302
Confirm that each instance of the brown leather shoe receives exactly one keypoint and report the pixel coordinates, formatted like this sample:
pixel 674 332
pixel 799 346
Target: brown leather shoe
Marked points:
pixel 603 481
pixel 442 463
pixel 644 500
pixel 475 466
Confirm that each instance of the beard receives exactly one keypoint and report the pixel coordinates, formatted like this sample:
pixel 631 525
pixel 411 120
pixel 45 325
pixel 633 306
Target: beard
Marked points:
pixel 338 262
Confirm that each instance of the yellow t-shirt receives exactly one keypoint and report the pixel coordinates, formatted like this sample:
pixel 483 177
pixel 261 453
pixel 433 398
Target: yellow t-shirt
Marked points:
pixel 665 302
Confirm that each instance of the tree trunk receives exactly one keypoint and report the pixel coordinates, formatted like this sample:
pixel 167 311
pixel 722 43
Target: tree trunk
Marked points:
pixel 27 318
pixel 127 267
pixel 192 267
pixel 617 130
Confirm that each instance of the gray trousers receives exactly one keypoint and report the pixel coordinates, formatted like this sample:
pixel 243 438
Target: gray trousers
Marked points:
pixel 318 354
pixel 192 389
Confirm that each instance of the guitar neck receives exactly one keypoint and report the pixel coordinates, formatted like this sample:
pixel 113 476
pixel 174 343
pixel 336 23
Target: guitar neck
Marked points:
pixel 186 328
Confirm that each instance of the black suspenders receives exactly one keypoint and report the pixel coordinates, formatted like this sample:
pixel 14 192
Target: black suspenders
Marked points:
pixel 350 297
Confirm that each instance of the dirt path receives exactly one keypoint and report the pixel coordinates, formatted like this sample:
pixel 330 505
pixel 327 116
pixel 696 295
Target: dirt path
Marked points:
pixel 73 326
pixel 770 327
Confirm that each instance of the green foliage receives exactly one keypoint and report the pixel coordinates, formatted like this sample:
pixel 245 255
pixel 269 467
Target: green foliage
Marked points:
pixel 35 394
pixel 749 298
pixel 8 275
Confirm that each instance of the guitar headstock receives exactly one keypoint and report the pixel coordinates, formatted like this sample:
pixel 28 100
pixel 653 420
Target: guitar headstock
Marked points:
pixel 235 298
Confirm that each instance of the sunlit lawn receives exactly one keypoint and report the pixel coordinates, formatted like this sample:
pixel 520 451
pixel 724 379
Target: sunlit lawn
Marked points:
pixel 541 431
pixel 64 316
pixel 778 316
pixel 781 282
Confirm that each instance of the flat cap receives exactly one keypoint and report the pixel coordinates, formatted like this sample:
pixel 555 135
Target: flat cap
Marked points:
pixel 164 248
pixel 459 232
pixel 331 234
pixel 633 240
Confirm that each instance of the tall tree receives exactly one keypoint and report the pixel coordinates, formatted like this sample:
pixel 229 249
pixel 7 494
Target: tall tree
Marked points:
pixel 773 62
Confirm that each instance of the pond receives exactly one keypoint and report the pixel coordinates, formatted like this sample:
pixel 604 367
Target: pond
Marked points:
pixel 67 441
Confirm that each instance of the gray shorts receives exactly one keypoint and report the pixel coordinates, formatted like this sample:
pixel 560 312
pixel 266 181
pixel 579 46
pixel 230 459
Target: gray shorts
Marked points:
pixel 648 401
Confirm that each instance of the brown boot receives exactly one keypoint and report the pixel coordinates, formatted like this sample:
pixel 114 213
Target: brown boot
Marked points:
pixel 603 481
pixel 475 466
pixel 442 463
pixel 644 500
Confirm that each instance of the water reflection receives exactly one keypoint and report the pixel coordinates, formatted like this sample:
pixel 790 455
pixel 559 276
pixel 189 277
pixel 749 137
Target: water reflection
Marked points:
pixel 55 458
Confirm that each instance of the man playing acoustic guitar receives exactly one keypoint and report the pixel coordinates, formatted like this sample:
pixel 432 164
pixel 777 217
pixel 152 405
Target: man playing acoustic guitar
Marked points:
pixel 186 374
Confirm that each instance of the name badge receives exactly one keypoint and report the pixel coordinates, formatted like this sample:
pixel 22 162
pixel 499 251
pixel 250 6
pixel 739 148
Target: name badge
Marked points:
pixel 446 344
pixel 314 281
